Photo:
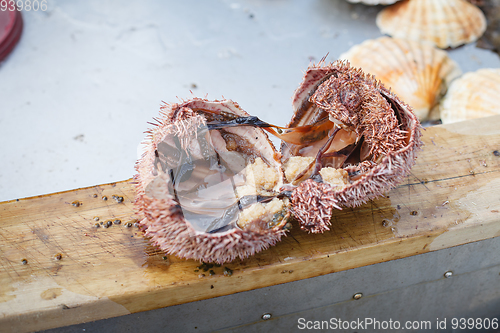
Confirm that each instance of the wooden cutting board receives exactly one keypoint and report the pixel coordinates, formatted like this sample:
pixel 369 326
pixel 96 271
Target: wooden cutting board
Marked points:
pixel 57 268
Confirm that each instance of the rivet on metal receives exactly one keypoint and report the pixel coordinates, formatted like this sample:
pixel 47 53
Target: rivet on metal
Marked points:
pixel 266 316
pixel 448 274
pixel 357 295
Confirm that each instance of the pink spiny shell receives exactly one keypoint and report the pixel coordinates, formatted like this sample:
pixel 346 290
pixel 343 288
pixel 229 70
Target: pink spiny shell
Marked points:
pixel 390 170
pixel 416 71
pixel 163 220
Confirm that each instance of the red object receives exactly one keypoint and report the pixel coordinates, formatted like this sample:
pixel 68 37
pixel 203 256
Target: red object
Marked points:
pixel 11 26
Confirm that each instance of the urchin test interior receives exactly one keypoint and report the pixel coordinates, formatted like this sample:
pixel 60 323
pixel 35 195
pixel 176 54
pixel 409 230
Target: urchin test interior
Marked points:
pixel 216 186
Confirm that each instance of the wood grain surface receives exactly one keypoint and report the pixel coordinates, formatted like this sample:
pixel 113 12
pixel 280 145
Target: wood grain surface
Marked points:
pixel 57 268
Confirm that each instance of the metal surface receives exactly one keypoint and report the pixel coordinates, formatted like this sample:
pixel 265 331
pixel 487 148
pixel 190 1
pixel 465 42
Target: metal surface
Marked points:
pixel 78 90
pixel 409 289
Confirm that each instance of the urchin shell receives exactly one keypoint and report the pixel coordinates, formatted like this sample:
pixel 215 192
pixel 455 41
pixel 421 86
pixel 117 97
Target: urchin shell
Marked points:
pixel 445 23
pixel 392 164
pixel 474 95
pixel 416 71
pixel 163 220
pixel 313 204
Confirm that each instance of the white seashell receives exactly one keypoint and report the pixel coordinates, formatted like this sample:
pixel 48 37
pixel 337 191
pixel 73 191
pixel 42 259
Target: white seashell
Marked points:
pixel 474 95
pixel 416 71
pixel 446 23
pixel 374 2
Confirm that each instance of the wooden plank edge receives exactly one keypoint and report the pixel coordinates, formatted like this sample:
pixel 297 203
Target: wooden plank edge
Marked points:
pixel 112 184
pixel 243 280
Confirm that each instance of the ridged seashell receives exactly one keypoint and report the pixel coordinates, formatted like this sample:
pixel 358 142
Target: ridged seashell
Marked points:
pixel 417 72
pixel 445 23
pixel 474 95
pixel 200 190
pixel 374 2
pixel 370 146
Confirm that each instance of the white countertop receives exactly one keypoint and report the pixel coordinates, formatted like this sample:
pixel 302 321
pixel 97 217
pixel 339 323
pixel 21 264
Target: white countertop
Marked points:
pixel 78 90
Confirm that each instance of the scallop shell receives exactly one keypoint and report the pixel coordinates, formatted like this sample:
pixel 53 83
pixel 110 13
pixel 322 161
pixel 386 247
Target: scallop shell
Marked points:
pixel 474 95
pixel 374 2
pixel 387 138
pixel 445 23
pixel 180 184
pixel 417 72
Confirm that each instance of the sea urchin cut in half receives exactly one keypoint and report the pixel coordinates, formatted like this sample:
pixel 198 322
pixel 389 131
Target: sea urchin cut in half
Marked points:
pixel 212 187
pixel 367 149
pixel 209 192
